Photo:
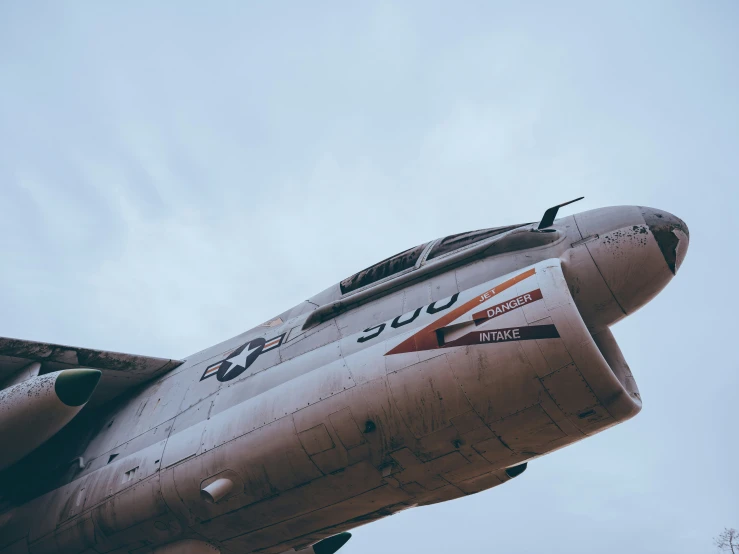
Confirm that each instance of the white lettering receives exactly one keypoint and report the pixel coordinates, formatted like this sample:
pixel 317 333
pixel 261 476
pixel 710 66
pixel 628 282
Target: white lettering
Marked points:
pixel 500 335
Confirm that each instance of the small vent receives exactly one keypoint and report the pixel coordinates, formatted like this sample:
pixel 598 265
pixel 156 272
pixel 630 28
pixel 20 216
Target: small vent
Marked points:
pixel 112 457
pixel 130 474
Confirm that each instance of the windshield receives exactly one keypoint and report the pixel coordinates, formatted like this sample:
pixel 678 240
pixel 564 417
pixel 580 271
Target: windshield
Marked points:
pixel 455 242
pixel 385 268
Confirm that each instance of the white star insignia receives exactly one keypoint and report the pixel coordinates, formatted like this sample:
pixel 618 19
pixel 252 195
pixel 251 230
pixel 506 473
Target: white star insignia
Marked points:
pixel 240 359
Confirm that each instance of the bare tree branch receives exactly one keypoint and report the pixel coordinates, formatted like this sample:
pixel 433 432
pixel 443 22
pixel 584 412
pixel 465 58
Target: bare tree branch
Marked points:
pixel 728 541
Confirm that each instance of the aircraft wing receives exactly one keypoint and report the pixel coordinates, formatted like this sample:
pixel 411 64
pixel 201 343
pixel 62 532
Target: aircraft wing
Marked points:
pixel 121 372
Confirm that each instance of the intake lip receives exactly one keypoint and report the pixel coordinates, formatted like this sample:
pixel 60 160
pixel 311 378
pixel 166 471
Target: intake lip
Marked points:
pixel 671 234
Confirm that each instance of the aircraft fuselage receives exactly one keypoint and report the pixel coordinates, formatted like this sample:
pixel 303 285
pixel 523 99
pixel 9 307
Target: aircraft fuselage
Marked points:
pixel 393 389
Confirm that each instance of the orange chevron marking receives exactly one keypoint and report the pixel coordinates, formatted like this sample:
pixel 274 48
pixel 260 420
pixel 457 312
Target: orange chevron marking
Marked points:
pixel 426 339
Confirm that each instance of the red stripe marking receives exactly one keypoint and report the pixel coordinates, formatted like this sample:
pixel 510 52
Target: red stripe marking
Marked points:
pixel 505 307
pixel 212 369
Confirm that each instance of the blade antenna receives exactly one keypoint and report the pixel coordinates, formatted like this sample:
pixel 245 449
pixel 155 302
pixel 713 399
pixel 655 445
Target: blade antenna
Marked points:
pixel 551 213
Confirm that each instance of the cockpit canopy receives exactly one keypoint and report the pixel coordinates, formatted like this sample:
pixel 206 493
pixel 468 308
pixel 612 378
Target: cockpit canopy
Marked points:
pixel 460 240
pixel 387 267
pixel 411 257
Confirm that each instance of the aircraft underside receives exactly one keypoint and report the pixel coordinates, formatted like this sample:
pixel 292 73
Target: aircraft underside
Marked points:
pixel 440 380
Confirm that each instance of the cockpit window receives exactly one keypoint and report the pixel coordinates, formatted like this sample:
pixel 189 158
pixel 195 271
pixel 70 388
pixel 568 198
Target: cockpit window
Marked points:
pixel 385 268
pixel 454 242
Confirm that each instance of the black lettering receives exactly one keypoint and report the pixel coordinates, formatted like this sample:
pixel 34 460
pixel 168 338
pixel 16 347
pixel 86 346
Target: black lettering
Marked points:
pixel 397 323
pixel 433 308
pixel 380 328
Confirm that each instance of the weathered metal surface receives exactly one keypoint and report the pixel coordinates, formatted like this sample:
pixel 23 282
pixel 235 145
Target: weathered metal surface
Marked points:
pixel 409 397
pixel 188 546
pixel 36 409
pixel 122 372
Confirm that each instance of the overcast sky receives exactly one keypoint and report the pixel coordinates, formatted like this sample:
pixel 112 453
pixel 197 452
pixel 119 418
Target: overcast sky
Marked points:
pixel 171 176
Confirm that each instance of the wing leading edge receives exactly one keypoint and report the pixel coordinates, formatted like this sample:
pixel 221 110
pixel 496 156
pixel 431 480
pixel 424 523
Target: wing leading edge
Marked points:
pixel 120 372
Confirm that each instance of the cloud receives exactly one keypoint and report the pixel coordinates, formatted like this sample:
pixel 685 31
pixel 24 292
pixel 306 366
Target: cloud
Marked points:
pixel 171 176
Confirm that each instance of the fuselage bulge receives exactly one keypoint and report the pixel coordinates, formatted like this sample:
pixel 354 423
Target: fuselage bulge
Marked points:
pixel 437 373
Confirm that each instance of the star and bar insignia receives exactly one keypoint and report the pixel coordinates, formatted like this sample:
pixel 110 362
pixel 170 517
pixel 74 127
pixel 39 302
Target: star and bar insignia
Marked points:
pixel 240 359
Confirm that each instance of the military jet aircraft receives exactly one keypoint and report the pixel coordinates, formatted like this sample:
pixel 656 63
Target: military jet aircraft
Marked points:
pixel 437 373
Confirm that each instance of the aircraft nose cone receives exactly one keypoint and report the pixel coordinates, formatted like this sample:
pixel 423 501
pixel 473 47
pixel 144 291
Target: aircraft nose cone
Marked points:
pixel 637 250
pixel 74 387
pixel 671 234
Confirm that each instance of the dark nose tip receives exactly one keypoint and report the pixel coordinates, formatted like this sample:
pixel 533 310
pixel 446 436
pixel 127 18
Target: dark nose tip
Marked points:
pixel 671 234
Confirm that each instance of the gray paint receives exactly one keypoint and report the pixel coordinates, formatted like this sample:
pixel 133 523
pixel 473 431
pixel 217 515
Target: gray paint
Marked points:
pixel 342 423
pixel 127 179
